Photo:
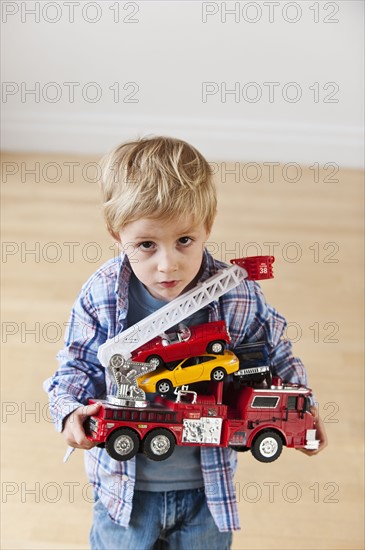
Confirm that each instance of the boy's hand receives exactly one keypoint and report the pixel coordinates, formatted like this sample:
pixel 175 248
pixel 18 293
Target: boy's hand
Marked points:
pixel 73 429
pixel 321 434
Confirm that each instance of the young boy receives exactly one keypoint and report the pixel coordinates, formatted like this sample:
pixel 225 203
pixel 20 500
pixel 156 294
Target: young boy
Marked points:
pixel 159 204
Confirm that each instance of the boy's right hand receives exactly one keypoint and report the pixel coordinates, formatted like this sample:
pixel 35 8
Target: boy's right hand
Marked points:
pixel 73 429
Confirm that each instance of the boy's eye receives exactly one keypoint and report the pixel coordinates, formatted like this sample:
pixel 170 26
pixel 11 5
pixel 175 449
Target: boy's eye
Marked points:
pixel 184 241
pixel 146 245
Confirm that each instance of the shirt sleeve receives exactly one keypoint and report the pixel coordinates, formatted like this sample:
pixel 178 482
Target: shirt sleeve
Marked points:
pixel 80 375
pixel 251 319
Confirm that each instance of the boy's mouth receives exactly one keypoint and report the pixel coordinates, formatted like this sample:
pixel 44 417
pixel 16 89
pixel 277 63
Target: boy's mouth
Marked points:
pixel 169 284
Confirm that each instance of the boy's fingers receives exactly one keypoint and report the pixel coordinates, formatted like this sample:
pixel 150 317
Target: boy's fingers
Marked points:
pixel 321 434
pixel 75 433
pixel 77 437
pixel 87 410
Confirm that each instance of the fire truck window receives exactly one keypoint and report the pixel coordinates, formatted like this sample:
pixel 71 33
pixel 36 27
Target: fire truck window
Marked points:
pixel 292 403
pixel 265 402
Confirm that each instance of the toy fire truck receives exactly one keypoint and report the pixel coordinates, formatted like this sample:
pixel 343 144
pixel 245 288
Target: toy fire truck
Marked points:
pixel 241 416
pixel 263 420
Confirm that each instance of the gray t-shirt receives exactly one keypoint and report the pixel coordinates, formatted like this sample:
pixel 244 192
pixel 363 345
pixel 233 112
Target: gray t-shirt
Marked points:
pixel 182 469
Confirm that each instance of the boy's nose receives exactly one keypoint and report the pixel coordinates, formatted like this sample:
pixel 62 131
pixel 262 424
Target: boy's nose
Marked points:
pixel 167 263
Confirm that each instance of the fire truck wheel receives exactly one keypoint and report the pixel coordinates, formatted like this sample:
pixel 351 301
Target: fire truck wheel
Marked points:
pixel 267 446
pixel 218 374
pixel 164 386
pixel 155 360
pixel 159 444
pixel 216 347
pixel 122 444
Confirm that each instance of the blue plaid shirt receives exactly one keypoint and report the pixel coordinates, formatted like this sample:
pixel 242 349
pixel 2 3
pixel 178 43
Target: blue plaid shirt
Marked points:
pixel 99 313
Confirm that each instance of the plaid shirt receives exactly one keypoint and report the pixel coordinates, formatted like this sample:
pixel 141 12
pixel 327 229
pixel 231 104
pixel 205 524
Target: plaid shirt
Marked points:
pixel 99 313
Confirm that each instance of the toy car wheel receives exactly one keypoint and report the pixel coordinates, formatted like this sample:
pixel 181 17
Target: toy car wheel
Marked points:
pixel 155 360
pixel 159 444
pixel 164 386
pixel 218 374
pixel 122 444
pixel 267 446
pixel 215 347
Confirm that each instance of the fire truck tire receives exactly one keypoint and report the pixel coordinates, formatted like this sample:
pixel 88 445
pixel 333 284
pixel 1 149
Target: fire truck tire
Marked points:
pixel 159 444
pixel 218 374
pixel 164 386
pixel 155 360
pixel 123 444
pixel 216 347
pixel 267 446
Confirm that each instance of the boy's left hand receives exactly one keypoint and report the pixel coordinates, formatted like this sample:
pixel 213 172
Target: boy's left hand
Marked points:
pixel 321 434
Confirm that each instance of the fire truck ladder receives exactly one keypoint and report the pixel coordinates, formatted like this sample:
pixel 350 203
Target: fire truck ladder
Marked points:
pixel 253 268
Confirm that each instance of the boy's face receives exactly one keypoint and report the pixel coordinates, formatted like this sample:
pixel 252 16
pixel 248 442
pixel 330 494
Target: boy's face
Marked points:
pixel 165 256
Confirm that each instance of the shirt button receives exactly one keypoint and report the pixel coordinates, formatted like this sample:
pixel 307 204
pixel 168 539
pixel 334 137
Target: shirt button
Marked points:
pixel 125 477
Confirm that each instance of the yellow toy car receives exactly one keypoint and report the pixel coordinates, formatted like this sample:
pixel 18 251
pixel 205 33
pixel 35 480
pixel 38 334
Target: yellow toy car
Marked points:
pixel 190 370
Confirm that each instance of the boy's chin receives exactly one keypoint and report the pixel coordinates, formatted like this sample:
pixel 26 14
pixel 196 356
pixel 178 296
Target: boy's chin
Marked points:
pixel 169 296
pixel 165 294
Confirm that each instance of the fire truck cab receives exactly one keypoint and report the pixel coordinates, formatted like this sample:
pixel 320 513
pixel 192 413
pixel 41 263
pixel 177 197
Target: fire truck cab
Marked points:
pixel 274 417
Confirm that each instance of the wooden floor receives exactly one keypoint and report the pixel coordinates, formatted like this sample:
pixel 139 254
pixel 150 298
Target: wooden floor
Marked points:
pixel 54 238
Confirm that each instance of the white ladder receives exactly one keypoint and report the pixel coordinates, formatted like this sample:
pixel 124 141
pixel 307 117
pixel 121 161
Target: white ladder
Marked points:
pixel 181 307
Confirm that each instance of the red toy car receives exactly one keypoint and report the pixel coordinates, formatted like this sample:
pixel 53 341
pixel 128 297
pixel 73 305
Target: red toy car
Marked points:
pixel 185 342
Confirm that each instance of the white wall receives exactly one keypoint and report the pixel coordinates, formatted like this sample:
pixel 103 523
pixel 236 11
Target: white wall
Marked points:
pixel 163 53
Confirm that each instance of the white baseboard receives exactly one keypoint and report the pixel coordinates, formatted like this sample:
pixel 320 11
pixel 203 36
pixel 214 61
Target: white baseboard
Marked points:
pixel 218 139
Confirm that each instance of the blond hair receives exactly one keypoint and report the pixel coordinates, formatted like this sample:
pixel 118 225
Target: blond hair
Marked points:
pixel 156 177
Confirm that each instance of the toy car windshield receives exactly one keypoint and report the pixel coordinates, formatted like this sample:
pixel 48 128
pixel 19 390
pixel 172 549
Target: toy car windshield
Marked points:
pixel 183 334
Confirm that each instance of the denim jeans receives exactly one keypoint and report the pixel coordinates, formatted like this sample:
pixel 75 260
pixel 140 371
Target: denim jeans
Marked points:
pixel 177 520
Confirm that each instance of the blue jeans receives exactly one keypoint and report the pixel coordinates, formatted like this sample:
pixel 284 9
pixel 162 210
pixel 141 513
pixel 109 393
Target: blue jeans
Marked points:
pixel 178 520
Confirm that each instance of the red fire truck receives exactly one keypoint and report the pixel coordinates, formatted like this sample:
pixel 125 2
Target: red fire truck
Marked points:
pixel 263 419
pixel 259 419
